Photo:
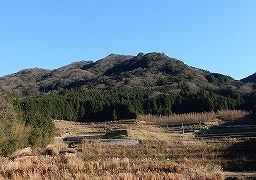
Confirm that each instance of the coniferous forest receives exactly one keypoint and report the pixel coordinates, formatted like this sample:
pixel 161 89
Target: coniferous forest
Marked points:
pixel 108 105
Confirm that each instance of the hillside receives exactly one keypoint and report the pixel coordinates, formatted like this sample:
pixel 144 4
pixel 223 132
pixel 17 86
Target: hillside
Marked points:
pixel 250 79
pixel 152 70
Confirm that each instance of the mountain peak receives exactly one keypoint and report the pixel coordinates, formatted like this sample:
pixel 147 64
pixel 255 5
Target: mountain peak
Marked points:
pixel 144 70
pixel 113 57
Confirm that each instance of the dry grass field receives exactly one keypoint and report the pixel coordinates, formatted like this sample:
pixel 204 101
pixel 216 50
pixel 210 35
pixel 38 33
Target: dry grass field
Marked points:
pixel 209 117
pixel 160 154
pixel 96 160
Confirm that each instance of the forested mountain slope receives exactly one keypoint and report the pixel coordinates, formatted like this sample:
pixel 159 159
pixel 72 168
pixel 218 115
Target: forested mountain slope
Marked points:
pixel 152 70
pixel 250 79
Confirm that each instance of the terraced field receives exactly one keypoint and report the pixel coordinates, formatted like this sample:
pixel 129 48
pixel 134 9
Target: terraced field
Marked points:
pixel 221 142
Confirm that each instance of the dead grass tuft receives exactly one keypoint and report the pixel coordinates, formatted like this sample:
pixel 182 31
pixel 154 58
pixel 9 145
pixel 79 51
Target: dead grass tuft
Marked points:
pixel 54 149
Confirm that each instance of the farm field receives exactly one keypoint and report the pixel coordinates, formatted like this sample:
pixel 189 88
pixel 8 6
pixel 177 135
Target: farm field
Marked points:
pixel 155 148
pixel 225 140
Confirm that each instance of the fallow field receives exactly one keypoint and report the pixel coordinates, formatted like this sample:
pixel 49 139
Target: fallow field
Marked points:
pixel 189 146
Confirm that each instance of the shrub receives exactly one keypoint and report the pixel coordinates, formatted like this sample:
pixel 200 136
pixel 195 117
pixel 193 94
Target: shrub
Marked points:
pixel 21 128
pixel 14 134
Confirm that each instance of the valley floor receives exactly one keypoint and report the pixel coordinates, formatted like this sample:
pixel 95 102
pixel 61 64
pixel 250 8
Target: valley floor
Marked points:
pixel 159 151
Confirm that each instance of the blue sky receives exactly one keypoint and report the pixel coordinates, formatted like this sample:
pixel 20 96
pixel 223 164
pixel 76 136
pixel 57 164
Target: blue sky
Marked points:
pixel 218 35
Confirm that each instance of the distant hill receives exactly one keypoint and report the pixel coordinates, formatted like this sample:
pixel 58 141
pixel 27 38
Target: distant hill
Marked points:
pixel 250 79
pixel 151 70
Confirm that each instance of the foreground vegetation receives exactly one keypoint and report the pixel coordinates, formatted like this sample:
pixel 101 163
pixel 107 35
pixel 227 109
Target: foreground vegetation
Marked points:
pixel 14 134
pixel 96 161
pixel 22 128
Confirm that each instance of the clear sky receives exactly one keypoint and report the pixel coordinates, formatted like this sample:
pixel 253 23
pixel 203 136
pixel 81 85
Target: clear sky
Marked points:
pixel 216 35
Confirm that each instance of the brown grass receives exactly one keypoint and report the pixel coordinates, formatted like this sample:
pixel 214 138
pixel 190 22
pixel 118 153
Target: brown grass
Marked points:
pixel 70 167
pixel 104 166
pixel 70 127
pixel 155 150
pixel 159 155
pixel 207 117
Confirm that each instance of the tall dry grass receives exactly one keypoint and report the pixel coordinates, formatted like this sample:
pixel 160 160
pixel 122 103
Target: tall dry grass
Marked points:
pixel 151 151
pixel 72 167
pixel 205 117
pixel 96 160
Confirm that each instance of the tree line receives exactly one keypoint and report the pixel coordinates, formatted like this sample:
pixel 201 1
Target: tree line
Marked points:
pixel 116 104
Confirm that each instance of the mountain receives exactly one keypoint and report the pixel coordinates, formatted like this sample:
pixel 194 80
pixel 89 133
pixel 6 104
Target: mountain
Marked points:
pixel 151 70
pixel 250 79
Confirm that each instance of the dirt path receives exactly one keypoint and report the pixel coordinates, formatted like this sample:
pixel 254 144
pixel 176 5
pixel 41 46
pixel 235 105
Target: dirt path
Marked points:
pixel 240 175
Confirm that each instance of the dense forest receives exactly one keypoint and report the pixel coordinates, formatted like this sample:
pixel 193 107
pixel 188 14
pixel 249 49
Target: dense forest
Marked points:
pixel 105 105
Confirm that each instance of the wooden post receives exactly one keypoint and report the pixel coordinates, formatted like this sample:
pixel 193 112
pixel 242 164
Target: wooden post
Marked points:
pixel 200 127
pixel 105 127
